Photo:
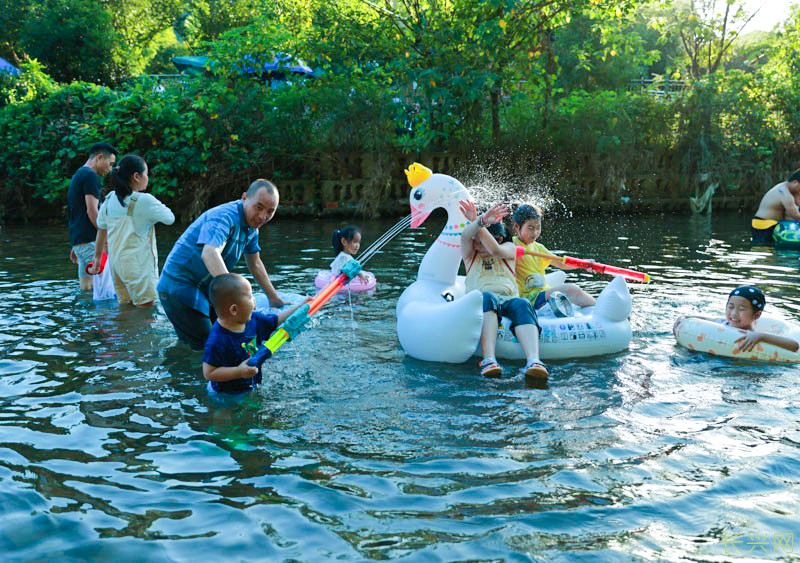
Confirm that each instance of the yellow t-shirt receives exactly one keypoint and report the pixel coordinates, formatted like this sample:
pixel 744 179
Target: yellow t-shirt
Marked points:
pixel 531 270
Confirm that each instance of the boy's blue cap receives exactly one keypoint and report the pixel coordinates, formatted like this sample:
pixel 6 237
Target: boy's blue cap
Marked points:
pixel 752 294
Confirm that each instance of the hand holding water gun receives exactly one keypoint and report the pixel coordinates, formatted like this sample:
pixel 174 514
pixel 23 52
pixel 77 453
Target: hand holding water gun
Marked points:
pixel 591 265
pixel 299 317
pixel 296 322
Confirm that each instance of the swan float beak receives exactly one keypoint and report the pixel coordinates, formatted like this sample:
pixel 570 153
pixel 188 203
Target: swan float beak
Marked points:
pixel 418 217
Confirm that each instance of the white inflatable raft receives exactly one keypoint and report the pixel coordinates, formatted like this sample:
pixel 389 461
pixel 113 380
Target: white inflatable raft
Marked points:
pixel 438 321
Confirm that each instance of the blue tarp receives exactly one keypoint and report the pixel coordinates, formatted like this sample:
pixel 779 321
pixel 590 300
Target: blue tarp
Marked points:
pixel 280 63
pixel 6 66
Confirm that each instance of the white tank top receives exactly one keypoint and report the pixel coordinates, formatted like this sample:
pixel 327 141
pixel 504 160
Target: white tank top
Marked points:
pixel 487 273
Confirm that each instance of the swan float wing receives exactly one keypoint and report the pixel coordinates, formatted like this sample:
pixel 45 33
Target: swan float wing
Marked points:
pixel 442 331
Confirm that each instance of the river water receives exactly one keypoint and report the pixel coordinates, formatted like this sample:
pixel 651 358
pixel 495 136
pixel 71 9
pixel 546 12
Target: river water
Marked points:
pixel 110 447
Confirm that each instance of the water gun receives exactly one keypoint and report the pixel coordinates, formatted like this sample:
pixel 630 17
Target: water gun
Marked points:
pixel 596 267
pixel 296 323
pixel 103 260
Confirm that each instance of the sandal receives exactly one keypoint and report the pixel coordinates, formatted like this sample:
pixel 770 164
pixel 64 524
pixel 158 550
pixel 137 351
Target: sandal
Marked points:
pixel 536 369
pixel 490 368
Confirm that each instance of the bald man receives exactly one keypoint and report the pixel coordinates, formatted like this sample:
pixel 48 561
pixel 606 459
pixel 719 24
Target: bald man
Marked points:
pixel 211 246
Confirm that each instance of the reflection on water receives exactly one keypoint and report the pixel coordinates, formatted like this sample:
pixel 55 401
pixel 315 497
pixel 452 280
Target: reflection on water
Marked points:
pixel 110 447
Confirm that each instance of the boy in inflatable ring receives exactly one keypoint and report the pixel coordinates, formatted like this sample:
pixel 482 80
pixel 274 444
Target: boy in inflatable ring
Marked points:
pixel 744 307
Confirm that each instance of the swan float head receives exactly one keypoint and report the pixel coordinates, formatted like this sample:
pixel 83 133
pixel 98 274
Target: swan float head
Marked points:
pixel 430 191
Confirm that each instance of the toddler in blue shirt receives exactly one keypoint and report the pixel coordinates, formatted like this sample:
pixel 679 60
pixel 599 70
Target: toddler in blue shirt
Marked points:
pixel 236 335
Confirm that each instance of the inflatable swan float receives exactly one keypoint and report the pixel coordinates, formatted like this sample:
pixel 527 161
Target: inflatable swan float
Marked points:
pixel 438 321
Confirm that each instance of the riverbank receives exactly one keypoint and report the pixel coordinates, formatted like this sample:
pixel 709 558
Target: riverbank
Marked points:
pixel 347 187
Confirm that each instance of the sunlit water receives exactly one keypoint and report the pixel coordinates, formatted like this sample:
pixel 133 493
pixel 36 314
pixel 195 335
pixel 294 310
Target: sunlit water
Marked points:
pixel 111 449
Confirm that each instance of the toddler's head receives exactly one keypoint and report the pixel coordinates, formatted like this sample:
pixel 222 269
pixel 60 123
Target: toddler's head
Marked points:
pixel 527 222
pixel 744 307
pixel 232 298
pixel 347 240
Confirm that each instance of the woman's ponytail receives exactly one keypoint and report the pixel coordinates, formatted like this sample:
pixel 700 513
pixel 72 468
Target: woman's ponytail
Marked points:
pixel 122 173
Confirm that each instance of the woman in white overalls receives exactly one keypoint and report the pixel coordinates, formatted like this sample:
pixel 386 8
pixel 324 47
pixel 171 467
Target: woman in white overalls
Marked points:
pixel 127 222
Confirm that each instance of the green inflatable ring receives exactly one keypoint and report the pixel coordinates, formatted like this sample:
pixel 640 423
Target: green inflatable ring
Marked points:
pixel 787 235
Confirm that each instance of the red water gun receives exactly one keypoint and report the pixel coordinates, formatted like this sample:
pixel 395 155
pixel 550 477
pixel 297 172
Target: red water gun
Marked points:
pixel 597 267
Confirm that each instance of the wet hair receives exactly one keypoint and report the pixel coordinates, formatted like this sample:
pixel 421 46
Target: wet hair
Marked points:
pixel 225 290
pixel 271 188
pixel 102 148
pixel 526 212
pixel 498 230
pixel 794 176
pixel 123 172
pixel 754 295
pixel 347 233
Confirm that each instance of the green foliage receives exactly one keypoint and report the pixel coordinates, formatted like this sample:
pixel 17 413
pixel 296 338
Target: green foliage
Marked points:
pixel 97 41
pixel 587 63
pixel 165 47
pixel 705 30
pixel 73 38
pixel 394 77
pixel 207 20
pixel 12 18
pixel 31 83
pixel 143 27
pixel 198 136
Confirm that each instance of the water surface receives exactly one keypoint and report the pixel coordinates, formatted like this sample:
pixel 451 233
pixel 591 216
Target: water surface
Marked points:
pixel 110 447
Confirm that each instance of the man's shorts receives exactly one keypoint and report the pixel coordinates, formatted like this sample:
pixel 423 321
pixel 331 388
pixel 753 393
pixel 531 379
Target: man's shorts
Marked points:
pixel 85 254
pixel 191 326
pixel 761 231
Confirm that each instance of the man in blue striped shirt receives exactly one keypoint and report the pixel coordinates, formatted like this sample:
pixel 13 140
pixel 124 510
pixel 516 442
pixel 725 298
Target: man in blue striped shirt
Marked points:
pixel 210 246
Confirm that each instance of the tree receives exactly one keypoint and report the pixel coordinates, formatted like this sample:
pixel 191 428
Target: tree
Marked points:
pixel 75 39
pixel 207 20
pixel 141 26
pixel 477 47
pixel 85 40
pixel 707 29
pixel 12 19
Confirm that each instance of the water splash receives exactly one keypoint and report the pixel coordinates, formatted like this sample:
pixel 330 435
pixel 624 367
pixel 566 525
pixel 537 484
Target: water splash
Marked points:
pixel 499 177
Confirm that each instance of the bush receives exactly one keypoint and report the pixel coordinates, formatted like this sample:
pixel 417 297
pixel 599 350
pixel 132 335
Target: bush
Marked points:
pixel 200 136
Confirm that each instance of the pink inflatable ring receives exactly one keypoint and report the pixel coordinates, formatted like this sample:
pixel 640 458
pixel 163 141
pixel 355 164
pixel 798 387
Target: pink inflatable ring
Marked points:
pixel 358 285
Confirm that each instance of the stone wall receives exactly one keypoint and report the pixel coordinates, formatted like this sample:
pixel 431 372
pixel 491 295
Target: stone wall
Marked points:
pixel 370 185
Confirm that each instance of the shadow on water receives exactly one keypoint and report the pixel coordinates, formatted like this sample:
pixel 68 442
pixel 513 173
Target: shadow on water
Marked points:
pixel 110 446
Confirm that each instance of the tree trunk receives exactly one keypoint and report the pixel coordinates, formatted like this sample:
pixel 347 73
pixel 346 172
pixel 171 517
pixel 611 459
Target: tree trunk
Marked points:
pixel 495 96
pixel 549 74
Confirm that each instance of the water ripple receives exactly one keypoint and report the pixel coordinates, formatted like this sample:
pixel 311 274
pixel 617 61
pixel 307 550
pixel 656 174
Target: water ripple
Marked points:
pixel 111 449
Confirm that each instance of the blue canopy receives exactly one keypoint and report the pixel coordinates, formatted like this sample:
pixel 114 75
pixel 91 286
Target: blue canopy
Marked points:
pixel 6 66
pixel 280 63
